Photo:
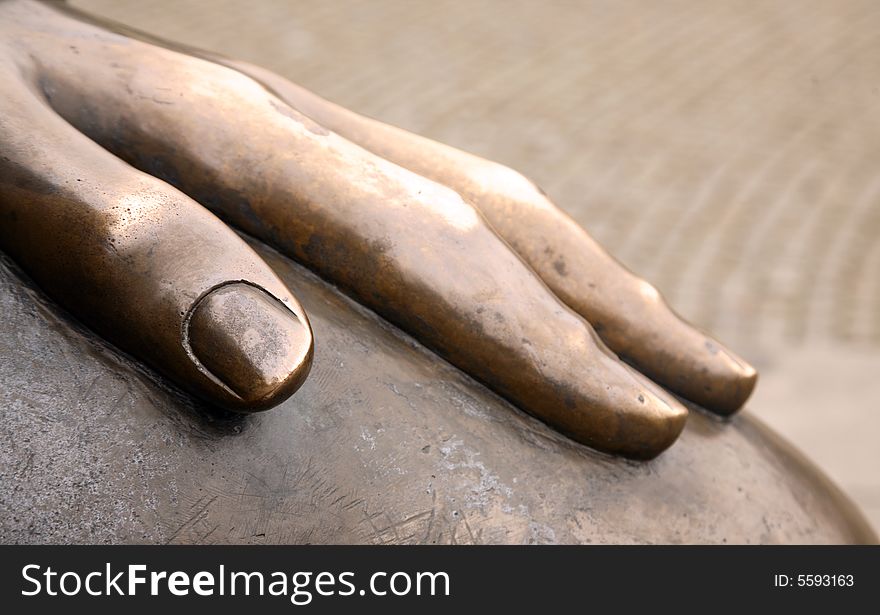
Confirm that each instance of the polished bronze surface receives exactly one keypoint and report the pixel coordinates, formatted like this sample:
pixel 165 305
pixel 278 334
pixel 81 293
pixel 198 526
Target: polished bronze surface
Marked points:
pixel 144 265
pixel 248 336
pixel 383 444
pixel 127 253
pixel 628 313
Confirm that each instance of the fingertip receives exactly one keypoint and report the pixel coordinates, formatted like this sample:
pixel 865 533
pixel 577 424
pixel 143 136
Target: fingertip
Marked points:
pixel 646 421
pixel 731 384
pixel 653 424
pixel 691 363
pixel 257 350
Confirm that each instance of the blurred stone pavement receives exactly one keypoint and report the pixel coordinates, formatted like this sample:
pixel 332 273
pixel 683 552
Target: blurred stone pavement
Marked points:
pixel 727 151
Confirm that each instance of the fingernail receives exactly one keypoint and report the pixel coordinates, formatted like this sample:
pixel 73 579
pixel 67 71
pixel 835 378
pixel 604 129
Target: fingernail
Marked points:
pixel 656 420
pixel 629 414
pixel 736 380
pixel 252 343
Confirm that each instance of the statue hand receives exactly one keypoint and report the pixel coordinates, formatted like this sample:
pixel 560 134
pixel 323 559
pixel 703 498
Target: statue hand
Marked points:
pixel 113 146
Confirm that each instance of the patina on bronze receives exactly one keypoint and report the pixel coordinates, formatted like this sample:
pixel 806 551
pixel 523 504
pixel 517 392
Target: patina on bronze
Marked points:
pixel 129 250
pixel 629 314
pixel 384 444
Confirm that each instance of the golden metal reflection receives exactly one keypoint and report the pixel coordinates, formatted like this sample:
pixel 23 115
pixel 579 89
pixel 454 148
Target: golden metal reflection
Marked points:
pixel 466 255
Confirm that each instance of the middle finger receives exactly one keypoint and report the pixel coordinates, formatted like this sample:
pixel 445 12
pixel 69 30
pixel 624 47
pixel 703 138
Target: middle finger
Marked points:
pixel 407 247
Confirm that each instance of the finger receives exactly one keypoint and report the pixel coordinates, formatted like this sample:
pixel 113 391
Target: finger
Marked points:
pixel 408 248
pixel 627 312
pixel 142 264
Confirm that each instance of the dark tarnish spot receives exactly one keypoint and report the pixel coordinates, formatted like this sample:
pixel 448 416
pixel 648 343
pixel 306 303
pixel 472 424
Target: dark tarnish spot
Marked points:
pixel 559 266
pixel 381 246
pixel 296 116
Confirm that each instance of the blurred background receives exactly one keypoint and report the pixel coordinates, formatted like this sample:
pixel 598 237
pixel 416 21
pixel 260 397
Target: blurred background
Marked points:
pixel 727 151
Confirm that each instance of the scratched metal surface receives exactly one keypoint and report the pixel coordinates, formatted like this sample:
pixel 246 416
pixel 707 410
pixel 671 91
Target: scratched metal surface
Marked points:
pixel 384 444
pixel 726 150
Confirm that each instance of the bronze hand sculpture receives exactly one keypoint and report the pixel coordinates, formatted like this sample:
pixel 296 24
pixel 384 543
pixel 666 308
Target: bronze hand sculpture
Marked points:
pixel 111 144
